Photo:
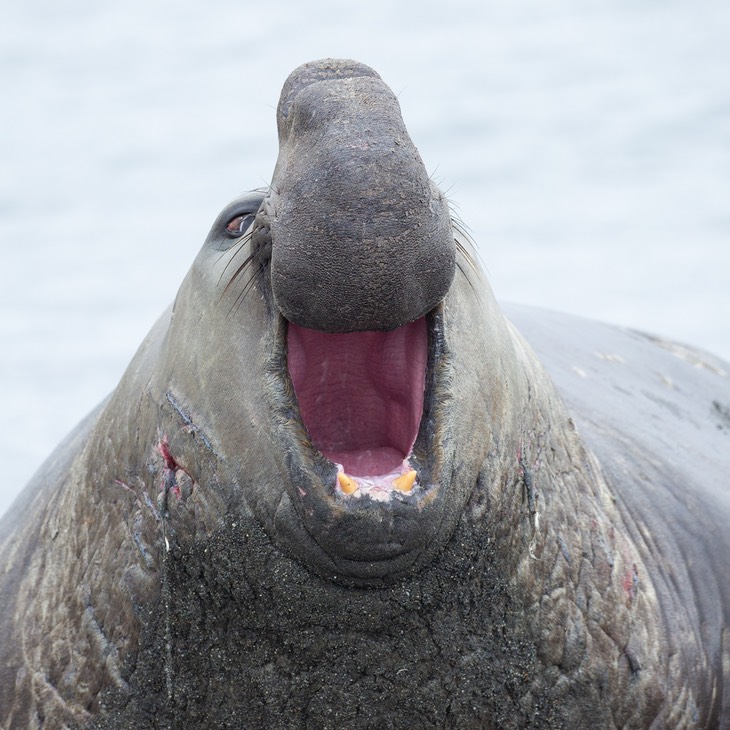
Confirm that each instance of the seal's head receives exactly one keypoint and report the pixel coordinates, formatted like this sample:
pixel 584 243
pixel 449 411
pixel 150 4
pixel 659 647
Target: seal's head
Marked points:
pixel 358 444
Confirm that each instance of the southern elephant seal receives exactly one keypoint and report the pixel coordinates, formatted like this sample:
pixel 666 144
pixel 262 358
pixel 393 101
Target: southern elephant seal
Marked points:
pixel 336 487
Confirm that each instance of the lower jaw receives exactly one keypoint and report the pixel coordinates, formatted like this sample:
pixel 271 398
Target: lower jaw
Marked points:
pixel 374 533
pixel 398 483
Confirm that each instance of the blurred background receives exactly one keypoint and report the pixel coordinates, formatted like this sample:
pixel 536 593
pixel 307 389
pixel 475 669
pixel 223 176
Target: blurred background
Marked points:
pixel 585 145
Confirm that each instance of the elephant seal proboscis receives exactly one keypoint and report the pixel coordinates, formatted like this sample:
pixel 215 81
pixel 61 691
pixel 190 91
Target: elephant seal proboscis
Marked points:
pixel 336 488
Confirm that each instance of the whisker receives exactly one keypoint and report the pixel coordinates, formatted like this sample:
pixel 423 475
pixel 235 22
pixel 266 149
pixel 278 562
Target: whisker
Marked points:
pixel 238 271
pixel 469 255
pixel 472 252
pixel 248 286
pixel 467 248
pixel 239 244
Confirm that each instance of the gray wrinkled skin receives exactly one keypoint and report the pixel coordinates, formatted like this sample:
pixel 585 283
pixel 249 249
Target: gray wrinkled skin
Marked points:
pixel 182 561
pixel 387 256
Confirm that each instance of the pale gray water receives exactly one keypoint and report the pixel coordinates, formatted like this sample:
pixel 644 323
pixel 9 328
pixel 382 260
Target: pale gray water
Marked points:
pixel 586 144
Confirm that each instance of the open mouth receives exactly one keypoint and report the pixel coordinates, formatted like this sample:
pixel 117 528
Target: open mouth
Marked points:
pixel 361 398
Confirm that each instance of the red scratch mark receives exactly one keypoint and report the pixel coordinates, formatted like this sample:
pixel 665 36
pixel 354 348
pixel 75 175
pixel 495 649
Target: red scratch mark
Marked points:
pixel 173 472
pixel 164 448
pixel 126 486
pixel 631 582
pixel 147 499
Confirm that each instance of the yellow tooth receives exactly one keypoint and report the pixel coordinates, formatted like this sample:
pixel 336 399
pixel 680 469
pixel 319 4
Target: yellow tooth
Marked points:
pixel 347 485
pixel 404 483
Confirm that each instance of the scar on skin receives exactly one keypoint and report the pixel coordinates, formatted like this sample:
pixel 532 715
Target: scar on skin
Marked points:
pixel 175 479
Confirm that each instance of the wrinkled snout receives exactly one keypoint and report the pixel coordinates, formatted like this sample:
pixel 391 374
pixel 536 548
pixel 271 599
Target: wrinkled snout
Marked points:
pixel 361 238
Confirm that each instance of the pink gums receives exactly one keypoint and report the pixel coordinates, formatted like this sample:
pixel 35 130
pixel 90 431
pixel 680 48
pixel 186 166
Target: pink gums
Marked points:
pixel 361 393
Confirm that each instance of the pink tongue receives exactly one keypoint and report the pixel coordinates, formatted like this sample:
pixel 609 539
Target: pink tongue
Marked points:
pixel 360 394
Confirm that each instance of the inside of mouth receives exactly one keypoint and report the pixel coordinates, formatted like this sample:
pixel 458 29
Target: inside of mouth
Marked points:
pixel 360 394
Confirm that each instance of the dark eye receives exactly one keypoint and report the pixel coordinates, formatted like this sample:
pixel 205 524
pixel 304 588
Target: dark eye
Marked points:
pixel 237 226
